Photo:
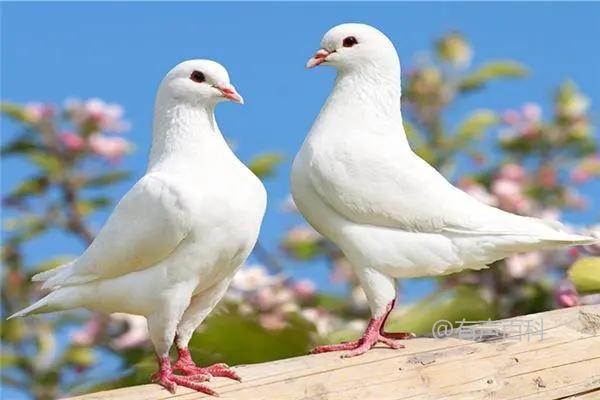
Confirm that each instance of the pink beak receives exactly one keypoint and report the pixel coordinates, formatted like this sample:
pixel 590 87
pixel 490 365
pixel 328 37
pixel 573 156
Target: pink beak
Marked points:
pixel 319 58
pixel 229 92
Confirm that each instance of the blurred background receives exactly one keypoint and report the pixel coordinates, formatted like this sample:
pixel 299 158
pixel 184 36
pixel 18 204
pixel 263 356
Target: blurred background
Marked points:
pixel 502 98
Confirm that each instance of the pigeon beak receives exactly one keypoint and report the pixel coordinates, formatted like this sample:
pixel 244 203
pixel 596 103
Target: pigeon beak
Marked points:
pixel 319 58
pixel 229 92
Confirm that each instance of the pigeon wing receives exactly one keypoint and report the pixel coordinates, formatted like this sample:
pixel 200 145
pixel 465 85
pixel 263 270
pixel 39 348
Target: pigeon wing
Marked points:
pixel 399 190
pixel 146 226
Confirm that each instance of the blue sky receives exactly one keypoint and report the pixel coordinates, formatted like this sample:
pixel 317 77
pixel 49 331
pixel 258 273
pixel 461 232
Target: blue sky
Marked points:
pixel 119 52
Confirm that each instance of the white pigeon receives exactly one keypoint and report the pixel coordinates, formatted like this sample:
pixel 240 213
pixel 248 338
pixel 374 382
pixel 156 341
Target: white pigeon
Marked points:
pixel 358 183
pixel 173 243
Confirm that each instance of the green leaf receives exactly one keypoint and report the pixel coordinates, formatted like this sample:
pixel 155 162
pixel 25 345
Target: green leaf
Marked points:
pixel 8 360
pixel 106 179
pixel 85 207
pixel 26 227
pixel 14 111
pixel 304 250
pixel 46 162
pixel 13 330
pixel 264 164
pixel 492 70
pixel 475 125
pixel 31 186
pixel 585 275
pixel 20 145
pixel 80 356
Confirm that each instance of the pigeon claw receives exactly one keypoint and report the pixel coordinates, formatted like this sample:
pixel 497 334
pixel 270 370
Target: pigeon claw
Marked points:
pixel 220 370
pixel 373 335
pixel 166 378
pixel 170 382
pixel 186 365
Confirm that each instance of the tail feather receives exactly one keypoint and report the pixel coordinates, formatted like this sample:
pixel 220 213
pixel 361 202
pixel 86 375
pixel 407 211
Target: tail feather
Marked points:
pixel 44 276
pixel 61 299
pixel 36 308
pixel 568 239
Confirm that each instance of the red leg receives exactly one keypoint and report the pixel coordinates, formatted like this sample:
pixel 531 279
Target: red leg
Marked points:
pixel 373 334
pixel 165 377
pixel 186 365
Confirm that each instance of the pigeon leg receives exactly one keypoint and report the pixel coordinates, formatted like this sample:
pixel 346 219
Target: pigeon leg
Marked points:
pixel 186 365
pixel 200 306
pixel 373 334
pixel 165 377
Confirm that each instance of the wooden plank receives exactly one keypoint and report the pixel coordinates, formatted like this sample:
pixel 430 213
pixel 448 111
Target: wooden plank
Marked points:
pixel 563 364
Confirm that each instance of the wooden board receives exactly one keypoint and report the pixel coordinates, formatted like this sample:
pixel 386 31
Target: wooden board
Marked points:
pixel 564 363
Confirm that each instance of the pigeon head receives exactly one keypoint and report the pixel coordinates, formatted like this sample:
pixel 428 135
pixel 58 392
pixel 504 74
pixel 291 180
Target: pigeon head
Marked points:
pixel 355 46
pixel 199 82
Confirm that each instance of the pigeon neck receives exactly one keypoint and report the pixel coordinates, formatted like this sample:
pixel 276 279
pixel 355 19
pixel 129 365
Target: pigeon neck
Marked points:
pixel 368 92
pixel 184 129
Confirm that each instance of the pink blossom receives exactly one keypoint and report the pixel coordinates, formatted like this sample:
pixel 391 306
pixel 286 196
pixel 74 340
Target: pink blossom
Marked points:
pixel 520 265
pixel 304 288
pixel 547 177
pixel 532 112
pixel 111 148
pixel 253 277
pixel 88 334
pixel 506 188
pixel 513 172
pixel 272 321
pixel 479 192
pixel 580 175
pixel 510 196
pixel 71 141
pixel 587 168
pixel 265 299
pixel 565 295
pixel 36 112
pixel 105 116
pixel 302 234
pixel 511 117
pixel 529 131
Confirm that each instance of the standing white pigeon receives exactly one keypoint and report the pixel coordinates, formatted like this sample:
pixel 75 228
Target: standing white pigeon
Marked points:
pixel 173 243
pixel 358 183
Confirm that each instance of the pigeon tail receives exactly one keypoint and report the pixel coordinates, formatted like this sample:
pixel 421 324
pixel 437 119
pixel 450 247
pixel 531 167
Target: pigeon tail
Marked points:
pixel 64 278
pixel 45 275
pixel 568 239
pixel 36 308
pixel 61 299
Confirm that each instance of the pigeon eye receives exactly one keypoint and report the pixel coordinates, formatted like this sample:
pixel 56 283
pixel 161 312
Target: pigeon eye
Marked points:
pixel 349 41
pixel 197 76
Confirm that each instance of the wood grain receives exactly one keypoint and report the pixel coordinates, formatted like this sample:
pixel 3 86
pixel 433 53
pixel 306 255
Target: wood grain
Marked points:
pixel 563 364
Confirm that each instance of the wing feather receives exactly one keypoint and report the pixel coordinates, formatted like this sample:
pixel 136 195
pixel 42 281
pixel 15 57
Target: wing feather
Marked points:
pixel 147 225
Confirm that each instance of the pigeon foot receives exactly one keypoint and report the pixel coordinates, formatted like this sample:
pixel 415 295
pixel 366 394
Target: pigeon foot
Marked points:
pixel 373 334
pixel 186 365
pixel 166 378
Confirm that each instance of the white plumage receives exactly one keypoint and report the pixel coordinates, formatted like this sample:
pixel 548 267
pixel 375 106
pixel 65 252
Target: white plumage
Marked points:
pixel 358 183
pixel 175 240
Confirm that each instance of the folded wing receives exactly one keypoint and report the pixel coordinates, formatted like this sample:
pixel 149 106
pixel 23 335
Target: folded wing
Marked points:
pixel 399 190
pixel 146 226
